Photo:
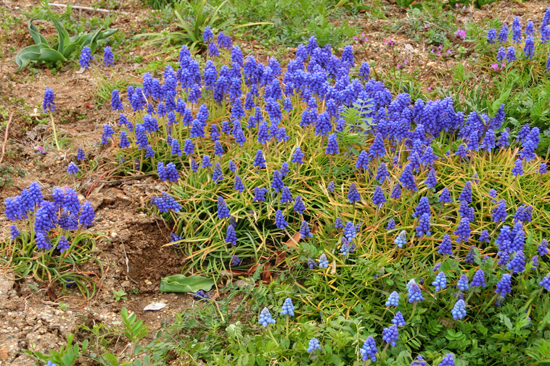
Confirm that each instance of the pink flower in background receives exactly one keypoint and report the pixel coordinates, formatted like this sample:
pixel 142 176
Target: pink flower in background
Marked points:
pixel 40 149
pixel 495 66
pixel 429 88
pixel 399 66
pixel 460 33
pixel 362 38
pixel 389 42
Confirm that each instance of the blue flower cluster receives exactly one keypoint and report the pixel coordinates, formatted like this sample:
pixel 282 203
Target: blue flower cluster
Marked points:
pixel 64 213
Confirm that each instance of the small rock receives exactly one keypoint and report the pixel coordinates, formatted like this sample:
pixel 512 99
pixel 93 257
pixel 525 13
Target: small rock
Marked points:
pixel 155 306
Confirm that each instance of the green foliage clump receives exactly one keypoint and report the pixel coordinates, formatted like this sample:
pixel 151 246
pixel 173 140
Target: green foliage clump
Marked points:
pixel 62 50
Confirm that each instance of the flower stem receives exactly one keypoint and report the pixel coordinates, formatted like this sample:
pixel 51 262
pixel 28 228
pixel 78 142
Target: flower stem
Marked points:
pixel 287 321
pixel 271 335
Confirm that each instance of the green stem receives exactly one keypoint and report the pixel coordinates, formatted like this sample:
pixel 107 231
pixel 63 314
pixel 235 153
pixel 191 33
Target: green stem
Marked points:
pixel 287 321
pixel 271 335
pixel 414 310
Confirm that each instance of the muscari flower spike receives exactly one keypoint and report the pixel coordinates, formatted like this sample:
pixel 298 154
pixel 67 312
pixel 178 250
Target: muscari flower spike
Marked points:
pixel 73 168
pixel 265 318
pixel 415 294
pixel 391 224
pixel 419 361
pixel 369 350
pixel 280 221
pixel 462 283
pixel 231 236
pixel 323 261
pixel 288 307
pixel 85 57
pixel 440 281
pixel 448 360
pixel 545 282
pixel 390 335
pixel 304 230
pixel 14 232
pixel 504 286
pixel 313 345
pixel 398 319
pixel 446 246
pixel 401 239
pixel 479 279
pixel 459 310
pixel 393 299
pixel 353 194
pixel 235 261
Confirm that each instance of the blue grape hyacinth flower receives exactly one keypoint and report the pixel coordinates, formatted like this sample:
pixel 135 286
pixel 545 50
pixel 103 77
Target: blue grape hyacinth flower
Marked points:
pixel 545 282
pixel 504 286
pixel 48 105
pixel 459 310
pixel 85 57
pixel 313 345
pixel 393 299
pixel 14 232
pixel 353 194
pixel 448 360
pixel 419 361
pixel 398 319
pixel 73 168
pixel 390 335
pixel 108 57
pixel 349 231
pixel 440 281
pixel 415 294
pixel 304 230
pixel 299 205
pixel 265 318
pixel 401 239
pixel 259 160
pixel 446 247
pixel 462 283
pixel 369 350
pixel 323 261
pixel 288 307
pixel 223 210
pixel 231 236
pixel 280 221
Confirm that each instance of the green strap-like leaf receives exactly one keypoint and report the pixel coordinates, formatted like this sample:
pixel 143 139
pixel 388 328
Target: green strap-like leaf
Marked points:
pixel 62 34
pixel 39 52
pixel 35 34
pixel 190 33
pixel 181 283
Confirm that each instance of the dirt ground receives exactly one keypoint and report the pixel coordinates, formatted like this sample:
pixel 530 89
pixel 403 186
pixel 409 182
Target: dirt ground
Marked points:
pixel 132 241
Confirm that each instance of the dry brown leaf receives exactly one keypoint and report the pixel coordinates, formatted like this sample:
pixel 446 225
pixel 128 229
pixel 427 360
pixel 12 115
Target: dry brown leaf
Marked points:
pixel 266 274
pixel 314 228
pixel 293 242
pixel 333 266
pixel 252 269
pixel 280 258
